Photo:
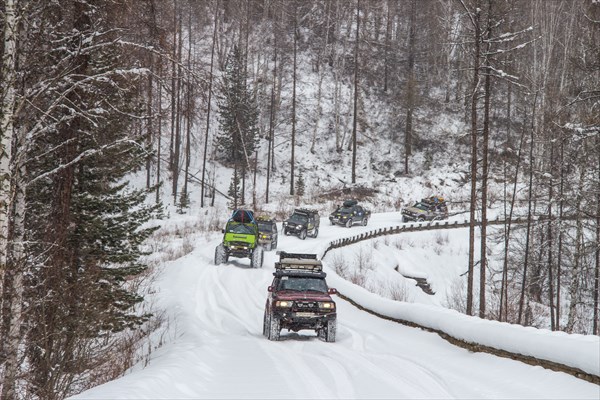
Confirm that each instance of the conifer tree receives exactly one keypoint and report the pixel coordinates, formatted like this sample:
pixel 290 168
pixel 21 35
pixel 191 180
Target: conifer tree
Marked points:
pixel 300 186
pixel 238 114
pixel 234 190
pixel 83 227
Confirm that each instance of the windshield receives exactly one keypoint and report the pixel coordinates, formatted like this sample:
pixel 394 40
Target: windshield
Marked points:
pixel 299 218
pixel 240 229
pixel 422 206
pixel 345 210
pixel 302 284
pixel 265 227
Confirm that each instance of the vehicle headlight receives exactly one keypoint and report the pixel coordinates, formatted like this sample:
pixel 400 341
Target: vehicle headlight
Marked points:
pixel 327 304
pixel 283 303
pixel 299 227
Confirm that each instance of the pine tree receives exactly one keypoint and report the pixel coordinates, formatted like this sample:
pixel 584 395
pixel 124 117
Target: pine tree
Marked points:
pixel 83 228
pixel 238 113
pixel 300 186
pixel 234 190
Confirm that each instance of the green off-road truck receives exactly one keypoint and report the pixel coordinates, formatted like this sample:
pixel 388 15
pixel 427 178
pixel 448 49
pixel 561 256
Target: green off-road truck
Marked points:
pixel 240 240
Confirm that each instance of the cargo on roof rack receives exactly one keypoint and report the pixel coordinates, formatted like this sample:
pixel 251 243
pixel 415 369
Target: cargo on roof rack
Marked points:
pixel 283 254
pixel 350 203
pixel 298 262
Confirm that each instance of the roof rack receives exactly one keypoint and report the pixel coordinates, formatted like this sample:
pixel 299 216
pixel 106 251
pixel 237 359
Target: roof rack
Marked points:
pixel 305 211
pixel 298 262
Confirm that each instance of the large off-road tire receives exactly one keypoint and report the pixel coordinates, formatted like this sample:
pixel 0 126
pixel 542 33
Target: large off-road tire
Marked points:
pixel 349 223
pixel 331 330
pixel 266 324
pixel 404 219
pixel 420 219
pixel 220 255
pixel 256 259
pixel 302 235
pixel 314 233
pixel 365 221
pixel 274 328
pixel 327 333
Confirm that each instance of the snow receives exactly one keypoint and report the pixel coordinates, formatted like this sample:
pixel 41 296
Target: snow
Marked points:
pixel 214 346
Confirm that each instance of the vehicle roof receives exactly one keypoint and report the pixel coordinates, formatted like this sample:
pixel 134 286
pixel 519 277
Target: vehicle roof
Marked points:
pixel 299 274
pixel 305 211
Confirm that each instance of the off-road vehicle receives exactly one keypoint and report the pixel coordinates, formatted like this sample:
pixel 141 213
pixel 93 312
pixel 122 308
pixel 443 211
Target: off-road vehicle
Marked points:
pixel 302 223
pixel 267 230
pixel 428 209
pixel 350 213
pixel 240 239
pixel 299 298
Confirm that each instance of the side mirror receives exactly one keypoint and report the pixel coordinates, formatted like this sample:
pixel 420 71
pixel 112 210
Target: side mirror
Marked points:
pixel 222 230
pixel 270 289
pixel 332 291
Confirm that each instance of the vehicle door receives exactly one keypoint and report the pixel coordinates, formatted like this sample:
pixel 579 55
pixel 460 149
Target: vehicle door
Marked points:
pixel 359 212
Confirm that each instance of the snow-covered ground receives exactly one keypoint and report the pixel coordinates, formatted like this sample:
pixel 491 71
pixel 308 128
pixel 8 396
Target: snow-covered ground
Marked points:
pixel 215 347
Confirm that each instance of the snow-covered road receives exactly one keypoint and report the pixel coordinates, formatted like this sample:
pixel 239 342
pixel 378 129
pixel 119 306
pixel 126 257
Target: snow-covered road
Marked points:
pixel 217 349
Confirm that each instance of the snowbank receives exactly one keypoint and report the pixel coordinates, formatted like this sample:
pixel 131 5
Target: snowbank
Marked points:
pixel 576 351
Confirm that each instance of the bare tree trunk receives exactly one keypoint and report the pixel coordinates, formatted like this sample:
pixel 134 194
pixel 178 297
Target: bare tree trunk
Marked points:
pixel 356 67
pixel 550 241
pixel 12 212
pixel 410 86
pixel 189 114
pixel 574 292
pixel 484 166
pixel 560 232
pixel 177 150
pixel 502 313
pixel 150 126
pixel 173 90
pixel 159 135
pixel 271 137
pixel 595 330
pixel 6 123
pixel 318 115
pixel 254 180
pixel 388 28
pixel 210 82
pixel 13 273
pixel 473 205
pixel 529 212
pixel 293 144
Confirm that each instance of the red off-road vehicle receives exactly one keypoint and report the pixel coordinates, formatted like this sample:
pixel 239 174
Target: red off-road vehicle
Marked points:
pixel 299 298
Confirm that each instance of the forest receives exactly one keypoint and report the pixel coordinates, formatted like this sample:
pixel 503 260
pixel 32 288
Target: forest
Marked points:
pixel 93 91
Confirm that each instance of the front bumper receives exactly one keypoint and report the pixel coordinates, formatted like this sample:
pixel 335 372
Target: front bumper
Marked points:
pixel 338 220
pixel 239 251
pixel 293 230
pixel 296 320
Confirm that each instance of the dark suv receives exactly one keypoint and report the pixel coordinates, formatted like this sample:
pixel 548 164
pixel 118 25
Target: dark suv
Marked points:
pixel 302 223
pixel 299 298
pixel 350 213
pixel 267 233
